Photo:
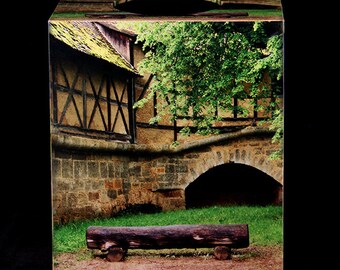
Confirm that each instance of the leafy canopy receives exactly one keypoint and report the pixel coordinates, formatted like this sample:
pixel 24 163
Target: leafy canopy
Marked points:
pixel 201 66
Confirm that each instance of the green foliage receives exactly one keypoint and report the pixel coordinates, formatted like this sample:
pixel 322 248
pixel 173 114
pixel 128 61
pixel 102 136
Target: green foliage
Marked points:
pixel 277 126
pixel 254 12
pixel 201 66
pixel 265 224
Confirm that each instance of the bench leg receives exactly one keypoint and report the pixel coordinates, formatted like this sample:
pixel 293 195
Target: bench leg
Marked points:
pixel 116 254
pixel 222 253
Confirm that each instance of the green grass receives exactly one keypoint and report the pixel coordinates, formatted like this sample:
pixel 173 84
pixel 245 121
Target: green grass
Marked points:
pixel 68 15
pixel 253 12
pixel 265 224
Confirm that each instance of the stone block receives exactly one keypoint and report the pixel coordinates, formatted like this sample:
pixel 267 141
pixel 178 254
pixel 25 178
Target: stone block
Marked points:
pixel 118 170
pixel 108 184
pixel 80 169
pixel 159 170
pixel 56 167
pixel 177 203
pixel 124 172
pixel 192 155
pixel 261 161
pixel 237 154
pixel 111 193
pixel 104 170
pixel 176 193
pixel 79 184
pixel 146 169
pixel 97 184
pixel 155 186
pixel 170 168
pixel 135 170
pixel 117 183
pixel 82 199
pixel 243 155
pixel 126 186
pixel 174 160
pixel 219 155
pixel 62 186
pixel 147 185
pixel 168 178
pixel 72 200
pixel 93 169
pixel 57 201
pixel 111 170
pixel 67 168
pixel 88 185
pixel 182 168
pixel 93 196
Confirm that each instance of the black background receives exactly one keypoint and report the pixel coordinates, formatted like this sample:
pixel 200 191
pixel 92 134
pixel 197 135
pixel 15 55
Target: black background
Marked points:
pixel 26 235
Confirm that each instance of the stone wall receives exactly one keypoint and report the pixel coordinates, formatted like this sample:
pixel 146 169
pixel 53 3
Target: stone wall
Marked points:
pixel 97 178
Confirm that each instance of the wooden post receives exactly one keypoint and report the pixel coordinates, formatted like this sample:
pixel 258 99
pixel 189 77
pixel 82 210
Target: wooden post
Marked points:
pixel 222 253
pixel 175 130
pixel 116 254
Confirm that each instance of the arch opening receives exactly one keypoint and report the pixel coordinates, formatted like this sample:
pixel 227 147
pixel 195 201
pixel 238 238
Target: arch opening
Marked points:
pixel 167 7
pixel 233 184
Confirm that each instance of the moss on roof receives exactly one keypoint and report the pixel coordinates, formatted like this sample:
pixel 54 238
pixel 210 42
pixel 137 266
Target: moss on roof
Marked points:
pixel 85 37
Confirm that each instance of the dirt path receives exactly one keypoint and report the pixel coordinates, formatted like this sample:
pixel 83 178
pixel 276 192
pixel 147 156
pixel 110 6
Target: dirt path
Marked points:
pixel 251 258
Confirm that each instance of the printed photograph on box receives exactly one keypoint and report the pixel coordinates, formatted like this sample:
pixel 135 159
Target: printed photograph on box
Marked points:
pixel 241 9
pixel 167 135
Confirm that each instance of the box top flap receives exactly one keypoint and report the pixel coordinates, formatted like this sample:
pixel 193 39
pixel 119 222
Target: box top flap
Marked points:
pixel 227 10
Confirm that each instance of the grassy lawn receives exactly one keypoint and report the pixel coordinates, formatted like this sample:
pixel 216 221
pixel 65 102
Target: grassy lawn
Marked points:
pixel 265 224
pixel 253 12
pixel 68 15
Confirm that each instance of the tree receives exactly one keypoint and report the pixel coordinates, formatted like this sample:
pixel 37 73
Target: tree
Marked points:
pixel 200 67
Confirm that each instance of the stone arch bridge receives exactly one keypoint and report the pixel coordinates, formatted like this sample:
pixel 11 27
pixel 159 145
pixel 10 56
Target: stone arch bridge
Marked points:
pixel 99 178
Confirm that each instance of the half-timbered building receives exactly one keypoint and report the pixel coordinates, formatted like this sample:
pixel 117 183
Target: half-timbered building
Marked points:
pixel 106 156
pixel 95 82
pixel 92 80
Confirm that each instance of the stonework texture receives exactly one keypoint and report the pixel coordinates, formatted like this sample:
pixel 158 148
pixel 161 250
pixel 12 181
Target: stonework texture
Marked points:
pixel 89 183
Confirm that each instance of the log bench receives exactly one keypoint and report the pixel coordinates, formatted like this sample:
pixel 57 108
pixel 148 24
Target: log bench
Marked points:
pixel 117 240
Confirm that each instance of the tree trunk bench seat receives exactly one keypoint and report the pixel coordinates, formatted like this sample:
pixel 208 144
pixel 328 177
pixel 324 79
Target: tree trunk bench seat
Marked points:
pixel 117 240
